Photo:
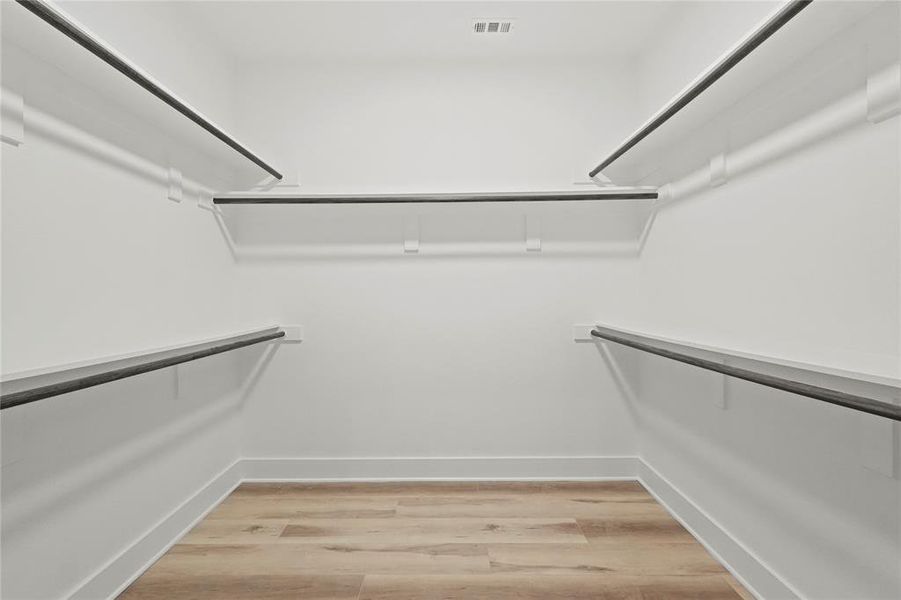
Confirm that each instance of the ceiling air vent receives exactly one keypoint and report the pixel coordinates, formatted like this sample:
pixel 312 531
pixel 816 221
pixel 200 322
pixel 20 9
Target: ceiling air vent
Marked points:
pixel 492 26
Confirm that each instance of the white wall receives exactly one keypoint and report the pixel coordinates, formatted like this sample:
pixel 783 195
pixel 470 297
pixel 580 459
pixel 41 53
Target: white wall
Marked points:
pixel 819 284
pixel 799 259
pixel 437 125
pixel 438 357
pixel 465 349
pixel 96 261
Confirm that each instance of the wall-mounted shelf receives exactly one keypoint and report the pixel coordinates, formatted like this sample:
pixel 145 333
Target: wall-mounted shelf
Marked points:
pixel 46 33
pixel 647 193
pixel 804 56
pixel 873 394
pixel 27 388
pixel 271 226
pixel 280 226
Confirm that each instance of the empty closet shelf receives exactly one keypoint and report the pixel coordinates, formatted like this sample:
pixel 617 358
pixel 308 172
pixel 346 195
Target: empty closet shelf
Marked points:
pixel 47 33
pixel 803 58
pixel 862 392
pixel 646 193
pixel 34 387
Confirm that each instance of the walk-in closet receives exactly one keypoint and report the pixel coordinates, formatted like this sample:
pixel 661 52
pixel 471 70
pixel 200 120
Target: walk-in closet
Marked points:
pixel 450 300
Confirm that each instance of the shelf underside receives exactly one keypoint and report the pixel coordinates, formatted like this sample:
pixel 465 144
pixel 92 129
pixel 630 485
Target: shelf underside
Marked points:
pixel 824 53
pixel 59 77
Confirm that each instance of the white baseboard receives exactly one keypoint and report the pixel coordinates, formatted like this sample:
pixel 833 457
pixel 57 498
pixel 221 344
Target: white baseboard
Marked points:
pixel 441 469
pixel 111 579
pixel 752 572
pixel 115 576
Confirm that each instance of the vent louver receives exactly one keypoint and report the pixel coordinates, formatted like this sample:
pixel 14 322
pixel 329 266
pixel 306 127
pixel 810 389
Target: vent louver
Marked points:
pixel 492 26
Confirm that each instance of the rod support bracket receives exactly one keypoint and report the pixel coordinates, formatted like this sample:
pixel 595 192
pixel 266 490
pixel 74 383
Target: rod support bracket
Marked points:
pixel 411 235
pixel 884 94
pixel 12 117
pixel 176 188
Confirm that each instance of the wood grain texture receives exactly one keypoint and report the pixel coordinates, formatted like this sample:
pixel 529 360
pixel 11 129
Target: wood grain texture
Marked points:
pixel 527 506
pixel 633 558
pixel 438 540
pixel 433 531
pixel 254 587
pixel 545 587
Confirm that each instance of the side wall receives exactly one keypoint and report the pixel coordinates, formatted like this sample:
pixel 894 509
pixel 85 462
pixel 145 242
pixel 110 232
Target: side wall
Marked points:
pixel 799 259
pixel 96 261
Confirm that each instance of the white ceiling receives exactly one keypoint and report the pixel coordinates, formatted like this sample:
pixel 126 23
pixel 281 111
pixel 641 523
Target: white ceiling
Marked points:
pixel 342 30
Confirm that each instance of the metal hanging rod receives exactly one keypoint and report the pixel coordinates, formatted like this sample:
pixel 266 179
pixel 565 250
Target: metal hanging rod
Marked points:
pixel 37 387
pixel 636 194
pixel 829 395
pixel 767 29
pixel 60 21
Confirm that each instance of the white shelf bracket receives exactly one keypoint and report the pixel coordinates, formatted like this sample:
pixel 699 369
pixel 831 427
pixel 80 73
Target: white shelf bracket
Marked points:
pixel 12 117
pixel 176 189
pixel 601 180
pixel 533 234
pixel 878 438
pixel 884 94
pixel 293 333
pixel 720 396
pixel 205 199
pixel 719 170
pixel 177 374
pixel 290 180
pixel 411 235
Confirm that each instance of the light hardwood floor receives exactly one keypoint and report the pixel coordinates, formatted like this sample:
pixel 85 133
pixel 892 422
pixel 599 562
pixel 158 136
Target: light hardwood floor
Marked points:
pixel 444 541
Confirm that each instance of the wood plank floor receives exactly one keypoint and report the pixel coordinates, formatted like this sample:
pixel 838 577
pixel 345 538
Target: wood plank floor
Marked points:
pixel 441 541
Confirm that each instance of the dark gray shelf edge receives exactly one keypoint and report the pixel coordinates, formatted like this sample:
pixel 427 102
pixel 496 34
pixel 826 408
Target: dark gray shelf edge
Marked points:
pixel 859 403
pixel 786 14
pixel 137 365
pixel 91 45
pixel 437 198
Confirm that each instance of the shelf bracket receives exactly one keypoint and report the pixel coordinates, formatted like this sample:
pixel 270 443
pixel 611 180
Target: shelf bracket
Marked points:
pixel 719 170
pixel 884 94
pixel 12 122
pixel 411 235
pixel 205 199
pixel 720 389
pixel 176 185
pixel 533 234
pixel 877 444
pixel 601 180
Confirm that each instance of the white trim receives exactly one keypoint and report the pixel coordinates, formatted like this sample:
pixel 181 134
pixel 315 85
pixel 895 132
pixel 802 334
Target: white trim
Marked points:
pixel 586 468
pixel 752 572
pixel 111 579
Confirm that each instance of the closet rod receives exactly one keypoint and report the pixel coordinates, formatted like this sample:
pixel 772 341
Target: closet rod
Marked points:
pixel 831 396
pixel 62 23
pixel 725 64
pixel 37 387
pixel 647 194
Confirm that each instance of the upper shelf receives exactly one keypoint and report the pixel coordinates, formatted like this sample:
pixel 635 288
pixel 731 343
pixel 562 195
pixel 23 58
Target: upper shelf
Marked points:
pixel 46 32
pixel 801 57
